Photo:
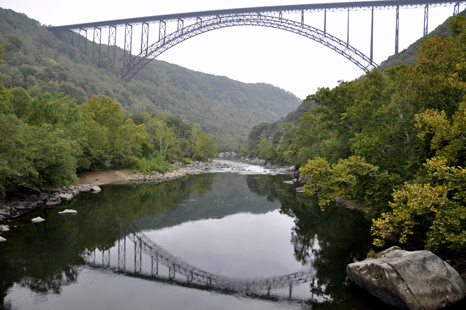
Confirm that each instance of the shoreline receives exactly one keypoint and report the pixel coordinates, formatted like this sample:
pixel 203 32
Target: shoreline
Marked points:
pixel 91 180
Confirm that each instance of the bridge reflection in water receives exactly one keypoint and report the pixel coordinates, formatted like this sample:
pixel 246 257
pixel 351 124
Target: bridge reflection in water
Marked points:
pixel 183 274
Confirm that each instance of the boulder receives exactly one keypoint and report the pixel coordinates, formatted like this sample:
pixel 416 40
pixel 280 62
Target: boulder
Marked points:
pixel 4 228
pixel 2 239
pixel 409 280
pixel 68 212
pixel 300 190
pixel 66 197
pixel 18 205
pixel 95 189
pixel 37 220
pixel 53 201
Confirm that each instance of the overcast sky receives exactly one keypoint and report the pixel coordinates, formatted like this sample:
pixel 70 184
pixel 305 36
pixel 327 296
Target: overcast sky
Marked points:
pixel 247 53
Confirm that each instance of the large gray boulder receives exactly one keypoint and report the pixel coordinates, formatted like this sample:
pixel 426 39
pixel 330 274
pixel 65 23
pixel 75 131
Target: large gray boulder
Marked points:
pixel 409 280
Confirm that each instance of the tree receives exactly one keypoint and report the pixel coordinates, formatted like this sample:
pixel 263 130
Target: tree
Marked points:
pixel 434 210
pixel 204 149
pixel 348 177
pixel 20 101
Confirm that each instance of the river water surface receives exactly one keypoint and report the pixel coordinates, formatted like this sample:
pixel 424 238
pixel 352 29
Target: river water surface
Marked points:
pixel 220 240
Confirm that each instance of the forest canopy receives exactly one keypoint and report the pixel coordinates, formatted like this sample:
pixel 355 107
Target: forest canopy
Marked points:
pixel 392 140
pixel 40 62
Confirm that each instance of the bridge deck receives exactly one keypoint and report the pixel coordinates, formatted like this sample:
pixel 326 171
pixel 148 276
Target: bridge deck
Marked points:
pixel 337 6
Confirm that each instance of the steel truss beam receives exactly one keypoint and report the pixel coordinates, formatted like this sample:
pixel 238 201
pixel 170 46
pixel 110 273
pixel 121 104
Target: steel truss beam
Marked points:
pixel 83 34
pixel 372 35
pixel 397 28
pixel 97 35
pixel 247 19
pixel 347 31
pixel 162 30
pixel 128 45
pixel 111 48
pixel 144 37
pixel 426 20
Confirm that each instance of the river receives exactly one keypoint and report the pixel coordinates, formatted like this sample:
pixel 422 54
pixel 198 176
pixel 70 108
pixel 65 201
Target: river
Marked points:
pixel 220 240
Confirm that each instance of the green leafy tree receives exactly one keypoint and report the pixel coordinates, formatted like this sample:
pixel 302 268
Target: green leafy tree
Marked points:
pixel 435 210
pixel 348 177
pixel 204 149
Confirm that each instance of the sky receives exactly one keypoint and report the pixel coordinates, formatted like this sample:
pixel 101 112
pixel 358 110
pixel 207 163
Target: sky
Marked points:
pixel 247 53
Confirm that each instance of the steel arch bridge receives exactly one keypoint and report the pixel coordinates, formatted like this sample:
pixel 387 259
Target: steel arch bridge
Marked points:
pixel 245 19
pixel 205 21
pixel 183 274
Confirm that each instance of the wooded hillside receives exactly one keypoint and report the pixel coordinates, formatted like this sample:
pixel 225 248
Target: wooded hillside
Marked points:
pixel 39 61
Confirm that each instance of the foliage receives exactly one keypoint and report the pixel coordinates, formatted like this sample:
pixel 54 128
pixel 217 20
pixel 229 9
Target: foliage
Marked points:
pixel 36 59
pixel 153 162
pixel 348 177
pixel 436 208
pixel 47 140
pixel 448 136
pixel 204 149
pixel 368 139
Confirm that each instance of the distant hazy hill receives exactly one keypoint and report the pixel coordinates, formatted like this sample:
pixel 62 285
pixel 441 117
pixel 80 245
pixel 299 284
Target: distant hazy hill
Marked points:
pixel 39 61
pixel 409 55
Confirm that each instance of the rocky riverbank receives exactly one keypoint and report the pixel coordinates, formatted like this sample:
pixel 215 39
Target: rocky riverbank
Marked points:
pixel 262 162
pixel 90 181
pixel 37 198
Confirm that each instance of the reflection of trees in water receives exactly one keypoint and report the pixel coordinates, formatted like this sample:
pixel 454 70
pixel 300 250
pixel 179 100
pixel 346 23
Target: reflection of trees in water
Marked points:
pixel 46 256
pixel 327 240
pixel 266 185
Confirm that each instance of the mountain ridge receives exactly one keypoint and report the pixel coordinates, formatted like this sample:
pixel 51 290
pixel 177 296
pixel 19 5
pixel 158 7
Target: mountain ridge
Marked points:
pixel 39 61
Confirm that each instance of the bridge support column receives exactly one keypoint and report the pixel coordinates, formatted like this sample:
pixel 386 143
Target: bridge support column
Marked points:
pixel 325 21
pixel 162 30
pixel 426 19
pixel 111 51
pixel 154 268
pixel 291 290
pixel 106 259
pixel 144 37
pixel 97 35
pixel 180 25
pixel 84 34
pixel 302 18
pixel 122 254
pixel 456 9
pixel 171 272
pixel 397 28
pixel 128 44
pixel 347 31
pixel 137 256
pixel 372 36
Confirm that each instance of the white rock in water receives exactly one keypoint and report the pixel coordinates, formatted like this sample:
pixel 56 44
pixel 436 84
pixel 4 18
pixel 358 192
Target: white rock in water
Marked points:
pixel 95 189
pixel 68 211
pixel 4 228
pixel 2 239
pixel 288 182
pixel 37 219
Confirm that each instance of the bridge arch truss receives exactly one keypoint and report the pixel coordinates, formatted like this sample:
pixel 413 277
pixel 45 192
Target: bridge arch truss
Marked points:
pixel 269 16
pixel 244 19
